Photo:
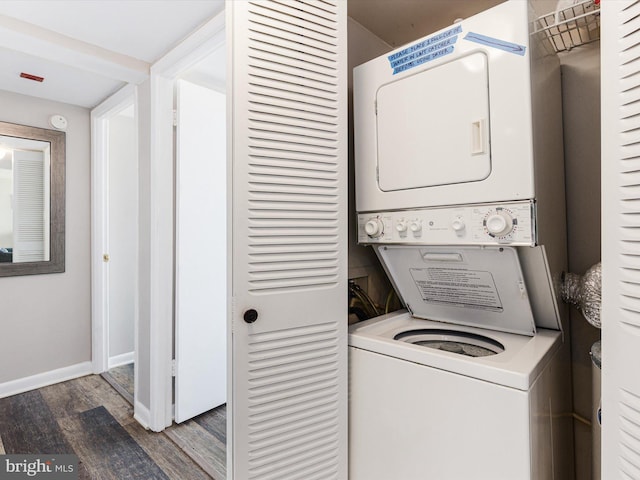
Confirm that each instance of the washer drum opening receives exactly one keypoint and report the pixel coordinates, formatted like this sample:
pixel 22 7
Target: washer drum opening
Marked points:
pixel 453 341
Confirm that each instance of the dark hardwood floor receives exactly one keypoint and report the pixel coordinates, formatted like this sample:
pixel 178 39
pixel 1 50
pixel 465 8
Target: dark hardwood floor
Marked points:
pixel 203 438
pixel 88 417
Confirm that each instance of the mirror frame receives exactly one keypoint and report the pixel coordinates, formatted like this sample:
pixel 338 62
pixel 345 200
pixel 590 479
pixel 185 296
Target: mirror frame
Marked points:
pixel 57 139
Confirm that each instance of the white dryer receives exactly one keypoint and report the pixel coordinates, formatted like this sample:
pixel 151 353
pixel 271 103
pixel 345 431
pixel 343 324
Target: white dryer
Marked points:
pixel 469 114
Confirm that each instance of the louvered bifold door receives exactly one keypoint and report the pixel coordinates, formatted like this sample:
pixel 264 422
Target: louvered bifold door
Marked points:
pixel 620 47
pixel 289 174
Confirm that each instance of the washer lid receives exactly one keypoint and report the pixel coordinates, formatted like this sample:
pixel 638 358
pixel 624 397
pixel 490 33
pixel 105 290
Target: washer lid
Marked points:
pixel 476 286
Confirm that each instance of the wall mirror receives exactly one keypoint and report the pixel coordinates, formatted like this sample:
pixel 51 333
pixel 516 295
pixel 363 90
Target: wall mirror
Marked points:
pixel 32 200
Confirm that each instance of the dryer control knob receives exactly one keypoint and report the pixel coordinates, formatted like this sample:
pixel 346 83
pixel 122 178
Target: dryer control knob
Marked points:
pixel 416 226
pixel 457 224
pixel 374 227
pixel 401 226
pixel 499 224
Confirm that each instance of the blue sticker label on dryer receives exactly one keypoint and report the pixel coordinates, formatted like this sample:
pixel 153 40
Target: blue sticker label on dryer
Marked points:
pixel 496 43
pixel 420 61
pixel 424 51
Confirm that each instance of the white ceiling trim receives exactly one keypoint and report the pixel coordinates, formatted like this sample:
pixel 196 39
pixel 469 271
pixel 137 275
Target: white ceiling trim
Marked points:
pixel 194 48
pixel 31 39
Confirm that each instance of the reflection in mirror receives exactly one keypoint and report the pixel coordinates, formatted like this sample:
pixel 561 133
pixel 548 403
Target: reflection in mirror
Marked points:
pixel 31 200
pixel 24 200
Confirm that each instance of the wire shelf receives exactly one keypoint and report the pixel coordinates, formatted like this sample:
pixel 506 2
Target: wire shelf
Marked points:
pixel 571 27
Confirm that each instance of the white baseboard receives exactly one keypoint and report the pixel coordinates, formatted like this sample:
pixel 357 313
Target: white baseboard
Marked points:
pixel 122 359
pixel 142 414
pixel 44 379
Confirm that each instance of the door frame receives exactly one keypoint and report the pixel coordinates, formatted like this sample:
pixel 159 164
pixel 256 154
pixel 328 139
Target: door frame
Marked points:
pixel 100 116
pixel 164 73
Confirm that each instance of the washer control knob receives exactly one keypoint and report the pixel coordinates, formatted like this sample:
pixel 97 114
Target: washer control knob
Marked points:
pixel 416 226
pixel 374 227
pixel 457 224
pixel 401 226
pixel 499 224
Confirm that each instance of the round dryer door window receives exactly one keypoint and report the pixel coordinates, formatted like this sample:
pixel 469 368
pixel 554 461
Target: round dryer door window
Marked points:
pixel 462 343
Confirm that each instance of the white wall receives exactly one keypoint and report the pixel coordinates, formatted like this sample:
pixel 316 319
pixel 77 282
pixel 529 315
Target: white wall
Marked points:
pixel 123 225
pixel 46 319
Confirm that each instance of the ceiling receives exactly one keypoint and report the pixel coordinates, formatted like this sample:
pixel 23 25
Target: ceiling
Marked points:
pixel 87 50
pixel 401 21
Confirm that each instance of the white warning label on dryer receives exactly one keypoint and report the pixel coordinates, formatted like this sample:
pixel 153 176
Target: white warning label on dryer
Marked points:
pixel 457 287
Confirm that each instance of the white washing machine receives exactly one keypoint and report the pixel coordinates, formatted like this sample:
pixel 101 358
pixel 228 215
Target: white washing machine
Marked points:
pixel 460 191
pixel 471 396
pixel 431 409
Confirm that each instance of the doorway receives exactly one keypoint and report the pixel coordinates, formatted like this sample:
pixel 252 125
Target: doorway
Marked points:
pixel 164 359
pixel 193 160
pixel 115 239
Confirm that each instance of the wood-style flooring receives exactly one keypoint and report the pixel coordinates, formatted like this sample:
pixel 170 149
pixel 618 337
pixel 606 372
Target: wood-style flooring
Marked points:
pixel 121 378
pixel 89 418
pixel 203 438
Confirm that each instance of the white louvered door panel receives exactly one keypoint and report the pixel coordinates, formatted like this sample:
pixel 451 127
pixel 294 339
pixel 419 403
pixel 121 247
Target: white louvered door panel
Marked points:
pixel 620 47
pixel 288 79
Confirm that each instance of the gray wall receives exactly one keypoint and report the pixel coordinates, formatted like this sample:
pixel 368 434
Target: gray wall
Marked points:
pixel 581 111
pixel 46 319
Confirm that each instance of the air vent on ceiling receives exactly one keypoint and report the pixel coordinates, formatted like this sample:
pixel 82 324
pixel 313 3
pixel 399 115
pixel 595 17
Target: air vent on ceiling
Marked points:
pixel 29 76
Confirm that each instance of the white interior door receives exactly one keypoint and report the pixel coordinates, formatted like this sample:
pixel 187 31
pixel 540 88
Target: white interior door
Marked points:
pixel 620 44
pixel 288 75
pixel 201 251
pixel 114 232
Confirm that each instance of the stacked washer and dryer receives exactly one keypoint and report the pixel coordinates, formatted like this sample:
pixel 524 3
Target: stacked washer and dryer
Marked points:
pixel 460 192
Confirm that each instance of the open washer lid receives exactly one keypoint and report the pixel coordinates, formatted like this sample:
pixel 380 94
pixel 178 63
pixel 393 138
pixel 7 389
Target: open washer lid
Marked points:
pixel 477 286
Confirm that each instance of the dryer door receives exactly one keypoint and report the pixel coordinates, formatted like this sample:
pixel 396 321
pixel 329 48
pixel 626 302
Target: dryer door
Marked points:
pixel 433 127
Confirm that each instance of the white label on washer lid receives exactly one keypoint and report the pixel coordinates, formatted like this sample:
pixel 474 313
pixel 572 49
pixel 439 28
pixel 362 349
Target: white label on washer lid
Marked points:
pixel 457 287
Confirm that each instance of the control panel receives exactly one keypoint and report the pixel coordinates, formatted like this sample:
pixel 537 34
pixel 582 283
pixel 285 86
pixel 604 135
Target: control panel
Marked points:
pixel 487 224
